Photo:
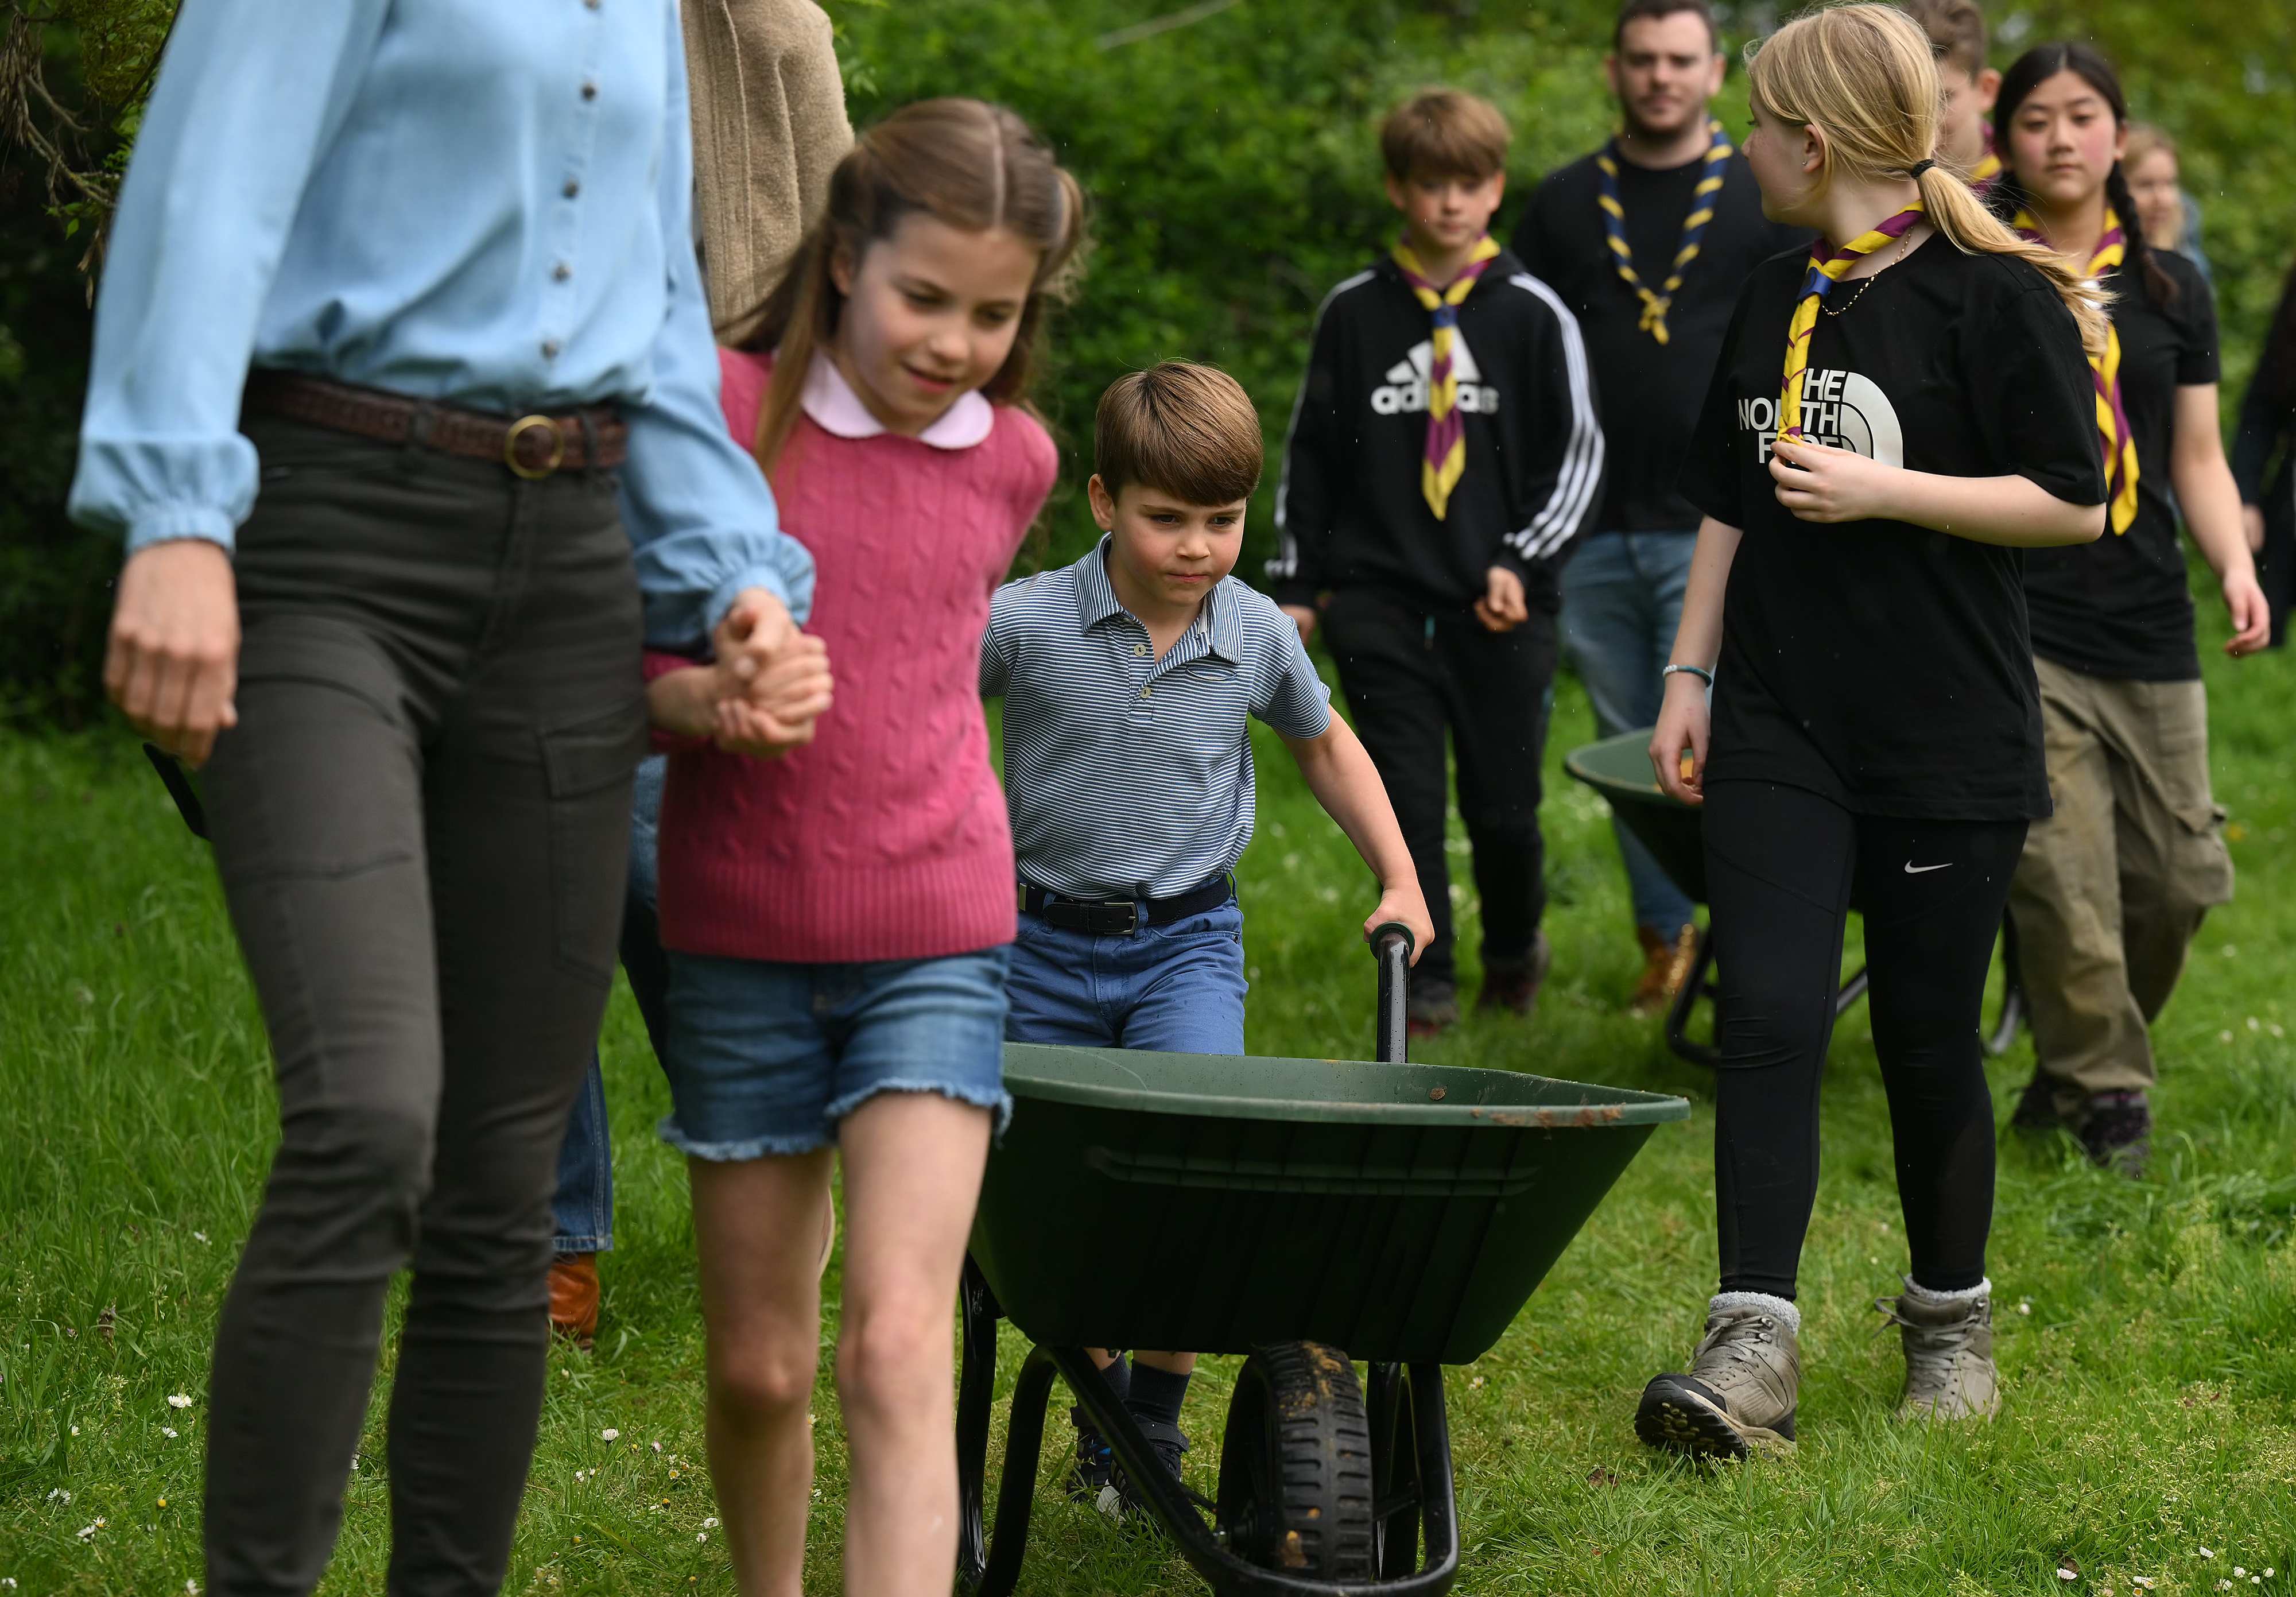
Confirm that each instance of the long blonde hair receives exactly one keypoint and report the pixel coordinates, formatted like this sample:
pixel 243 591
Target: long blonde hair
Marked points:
pixel 972 165
pixel 1864 75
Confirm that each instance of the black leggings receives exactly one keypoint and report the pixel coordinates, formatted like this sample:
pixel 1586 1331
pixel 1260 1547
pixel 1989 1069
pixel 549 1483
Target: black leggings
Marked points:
pixel 1782 868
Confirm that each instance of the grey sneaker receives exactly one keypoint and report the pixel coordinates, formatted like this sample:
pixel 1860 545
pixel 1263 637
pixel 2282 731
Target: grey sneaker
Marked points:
pixel 1743 1384
pixel 1949 1374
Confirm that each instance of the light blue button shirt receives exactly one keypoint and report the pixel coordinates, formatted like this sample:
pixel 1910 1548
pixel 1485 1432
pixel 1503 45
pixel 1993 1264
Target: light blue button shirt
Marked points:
pixel 480 201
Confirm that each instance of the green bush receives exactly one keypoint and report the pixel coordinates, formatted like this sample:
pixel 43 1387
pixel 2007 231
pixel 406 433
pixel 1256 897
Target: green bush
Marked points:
pixel 1234 176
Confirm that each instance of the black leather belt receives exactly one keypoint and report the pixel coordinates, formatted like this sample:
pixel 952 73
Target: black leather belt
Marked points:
pixel 1123 917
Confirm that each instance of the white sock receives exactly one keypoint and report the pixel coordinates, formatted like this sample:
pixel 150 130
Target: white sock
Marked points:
pixel 1779 1308
pixel 1922 1294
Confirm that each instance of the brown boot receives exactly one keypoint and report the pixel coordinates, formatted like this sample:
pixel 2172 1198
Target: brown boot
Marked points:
pixel 1666 964
pixel 574 1298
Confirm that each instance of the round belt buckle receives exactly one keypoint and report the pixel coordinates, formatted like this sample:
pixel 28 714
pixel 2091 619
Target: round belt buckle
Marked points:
pixel 519 429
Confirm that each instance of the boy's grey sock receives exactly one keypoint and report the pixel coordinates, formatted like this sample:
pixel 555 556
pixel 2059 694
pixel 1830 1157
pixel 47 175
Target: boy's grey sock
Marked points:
pixel 1156 1394
pixel 1922 1294
pixel 1782 1308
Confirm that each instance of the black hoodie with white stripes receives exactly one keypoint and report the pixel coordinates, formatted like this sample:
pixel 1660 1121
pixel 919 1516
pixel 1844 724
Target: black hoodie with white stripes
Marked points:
pixel 1348 506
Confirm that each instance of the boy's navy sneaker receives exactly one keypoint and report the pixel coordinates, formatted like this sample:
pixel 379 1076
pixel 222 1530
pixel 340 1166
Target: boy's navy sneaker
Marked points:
pixel 1171 1444
pixel 1096 1465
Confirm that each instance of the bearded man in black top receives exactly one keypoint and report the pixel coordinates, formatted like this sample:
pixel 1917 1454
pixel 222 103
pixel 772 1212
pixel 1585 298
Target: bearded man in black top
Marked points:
pixel 1648 241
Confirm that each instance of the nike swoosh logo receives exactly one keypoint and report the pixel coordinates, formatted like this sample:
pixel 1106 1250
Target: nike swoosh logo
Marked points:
pixel 1914 870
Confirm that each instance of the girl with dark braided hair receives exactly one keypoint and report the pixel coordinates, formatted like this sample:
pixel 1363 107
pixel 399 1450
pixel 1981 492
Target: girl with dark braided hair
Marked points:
pixel 2112 887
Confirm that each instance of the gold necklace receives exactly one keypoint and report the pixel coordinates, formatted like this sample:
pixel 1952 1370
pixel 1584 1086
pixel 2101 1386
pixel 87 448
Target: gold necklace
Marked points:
pixel 1866 283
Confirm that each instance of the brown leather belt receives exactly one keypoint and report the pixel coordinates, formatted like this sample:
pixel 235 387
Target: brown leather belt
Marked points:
pixel 532 446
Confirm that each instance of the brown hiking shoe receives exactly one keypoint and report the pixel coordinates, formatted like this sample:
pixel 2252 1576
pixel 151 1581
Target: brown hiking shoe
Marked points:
pixel 1666 962
pixel 1514 984
pixel 1743 1385
pixel 1431 1009
pixel 574 1298
pixel 1948 1342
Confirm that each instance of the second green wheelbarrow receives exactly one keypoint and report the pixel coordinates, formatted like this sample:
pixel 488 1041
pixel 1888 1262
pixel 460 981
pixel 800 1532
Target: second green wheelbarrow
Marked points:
pixel 1618 768
pixel 1307 1213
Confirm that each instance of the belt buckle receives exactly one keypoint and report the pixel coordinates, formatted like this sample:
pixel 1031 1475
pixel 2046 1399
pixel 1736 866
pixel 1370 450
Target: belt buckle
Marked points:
pixel 1115 918
pixel 519 429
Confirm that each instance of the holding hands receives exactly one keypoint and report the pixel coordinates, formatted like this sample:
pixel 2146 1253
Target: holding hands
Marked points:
pixel 769 686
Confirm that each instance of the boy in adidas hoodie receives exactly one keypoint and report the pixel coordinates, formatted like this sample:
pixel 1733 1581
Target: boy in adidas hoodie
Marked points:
pixel 1444 452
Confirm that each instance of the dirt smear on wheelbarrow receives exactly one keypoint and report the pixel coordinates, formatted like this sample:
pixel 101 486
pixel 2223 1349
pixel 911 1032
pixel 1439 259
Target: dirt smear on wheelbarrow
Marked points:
pixel 1547 1119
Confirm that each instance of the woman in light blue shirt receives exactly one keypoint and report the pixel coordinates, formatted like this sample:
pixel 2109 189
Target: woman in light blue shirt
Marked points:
pixel 402 366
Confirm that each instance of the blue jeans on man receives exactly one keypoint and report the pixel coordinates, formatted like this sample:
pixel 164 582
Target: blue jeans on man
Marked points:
pixel 1621 602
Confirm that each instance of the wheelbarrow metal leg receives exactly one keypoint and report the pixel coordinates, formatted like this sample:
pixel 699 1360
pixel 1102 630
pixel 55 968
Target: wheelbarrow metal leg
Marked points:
pixel 1016 1492
pixel 1439 1501
pixel 976 1392
pixel 1694 988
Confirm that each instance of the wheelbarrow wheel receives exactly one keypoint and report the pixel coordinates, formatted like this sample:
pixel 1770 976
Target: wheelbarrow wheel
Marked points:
pixel 1295 1481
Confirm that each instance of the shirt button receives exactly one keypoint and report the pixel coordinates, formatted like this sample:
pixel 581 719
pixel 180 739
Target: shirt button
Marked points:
pixel 561 272
pixel 1147 693
pixel 589 91
pixel 550 348
pixel 1140 649
pixel 572 188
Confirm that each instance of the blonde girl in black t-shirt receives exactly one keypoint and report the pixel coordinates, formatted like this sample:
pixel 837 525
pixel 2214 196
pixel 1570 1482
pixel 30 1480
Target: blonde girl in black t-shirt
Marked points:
pixel 1890 422
pixel 2113 885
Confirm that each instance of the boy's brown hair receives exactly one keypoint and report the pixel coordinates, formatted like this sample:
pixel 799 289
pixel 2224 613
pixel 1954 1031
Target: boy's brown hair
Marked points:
pixel 1181 429
pixel 1442 133
pixel 1956 30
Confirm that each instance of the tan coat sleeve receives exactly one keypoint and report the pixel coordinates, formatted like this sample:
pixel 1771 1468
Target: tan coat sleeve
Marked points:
pixel 769 125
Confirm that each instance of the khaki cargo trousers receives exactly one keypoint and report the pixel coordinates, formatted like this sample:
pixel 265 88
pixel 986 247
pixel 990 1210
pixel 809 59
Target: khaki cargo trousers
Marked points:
pixel 2112 887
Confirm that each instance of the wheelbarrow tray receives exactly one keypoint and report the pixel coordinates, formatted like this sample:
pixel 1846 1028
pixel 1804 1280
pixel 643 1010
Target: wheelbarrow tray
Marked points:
pixel 1402 1212
pixel 1619 769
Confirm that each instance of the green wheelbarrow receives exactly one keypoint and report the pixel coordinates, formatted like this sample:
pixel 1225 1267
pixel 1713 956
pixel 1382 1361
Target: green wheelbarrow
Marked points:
pixel 1618 768
pixel 1311 1213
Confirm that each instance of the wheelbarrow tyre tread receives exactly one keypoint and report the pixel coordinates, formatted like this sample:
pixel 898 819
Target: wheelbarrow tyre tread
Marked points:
pixel 1295 1490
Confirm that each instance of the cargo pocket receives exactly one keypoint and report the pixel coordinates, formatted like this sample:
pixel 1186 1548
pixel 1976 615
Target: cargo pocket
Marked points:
pixel 2200 865
pixel 587 767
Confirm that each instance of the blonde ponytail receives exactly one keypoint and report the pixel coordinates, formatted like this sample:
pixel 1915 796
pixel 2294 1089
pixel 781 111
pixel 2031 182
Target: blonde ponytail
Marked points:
pixel 1864 75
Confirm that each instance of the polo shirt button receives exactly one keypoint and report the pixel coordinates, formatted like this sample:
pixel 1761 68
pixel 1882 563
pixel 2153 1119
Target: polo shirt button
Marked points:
pixel 1147 693
pixel 1140 649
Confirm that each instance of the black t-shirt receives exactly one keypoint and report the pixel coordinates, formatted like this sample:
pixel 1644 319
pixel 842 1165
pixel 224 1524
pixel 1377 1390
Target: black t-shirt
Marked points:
pixel 1881 665
pixel 2119 607
pixel 1649 392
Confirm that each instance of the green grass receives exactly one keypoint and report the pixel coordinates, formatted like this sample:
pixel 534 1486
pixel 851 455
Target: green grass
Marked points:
pixel 2150 1386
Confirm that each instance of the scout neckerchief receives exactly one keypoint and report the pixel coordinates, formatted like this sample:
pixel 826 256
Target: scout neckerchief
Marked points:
pixel 1826 265
pixel 1447 429
pixel 1694 226
pixel 2104 371
pixel 1987 172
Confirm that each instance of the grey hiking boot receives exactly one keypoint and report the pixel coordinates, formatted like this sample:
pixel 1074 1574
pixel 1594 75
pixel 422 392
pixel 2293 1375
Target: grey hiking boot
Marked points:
pixel 1743 1384
pixel 1948 1339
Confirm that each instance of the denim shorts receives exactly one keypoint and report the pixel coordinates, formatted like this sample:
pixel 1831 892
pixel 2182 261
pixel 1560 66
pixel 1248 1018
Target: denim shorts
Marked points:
pixel 1172 989
pixel 766 1057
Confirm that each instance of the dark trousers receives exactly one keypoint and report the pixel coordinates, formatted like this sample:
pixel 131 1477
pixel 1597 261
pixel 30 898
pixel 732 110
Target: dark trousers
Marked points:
pixel 421 822
pixel 1781 867
pixel 1409 675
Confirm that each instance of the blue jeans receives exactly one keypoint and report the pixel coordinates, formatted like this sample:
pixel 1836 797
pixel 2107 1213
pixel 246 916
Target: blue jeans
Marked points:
pixel 582 1209
pixel 1621 602
pixel 1171 989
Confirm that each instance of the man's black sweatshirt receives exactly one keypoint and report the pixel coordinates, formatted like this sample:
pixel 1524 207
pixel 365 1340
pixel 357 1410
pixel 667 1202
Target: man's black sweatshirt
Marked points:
pixel 1349 508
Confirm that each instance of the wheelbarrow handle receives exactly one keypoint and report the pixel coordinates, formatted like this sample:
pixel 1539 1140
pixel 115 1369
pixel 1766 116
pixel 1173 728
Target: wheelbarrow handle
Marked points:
pixel 1392 942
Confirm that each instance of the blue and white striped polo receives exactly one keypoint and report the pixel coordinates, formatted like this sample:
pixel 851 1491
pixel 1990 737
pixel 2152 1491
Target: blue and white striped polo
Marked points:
pixel 1130 776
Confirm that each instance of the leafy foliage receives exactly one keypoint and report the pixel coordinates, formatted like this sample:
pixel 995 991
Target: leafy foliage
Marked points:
pixel 1229 151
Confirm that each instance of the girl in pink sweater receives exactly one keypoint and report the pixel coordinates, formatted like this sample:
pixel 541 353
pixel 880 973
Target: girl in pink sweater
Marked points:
pixel 840 919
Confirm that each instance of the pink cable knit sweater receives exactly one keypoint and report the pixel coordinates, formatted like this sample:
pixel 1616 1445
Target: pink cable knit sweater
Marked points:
pixel 885 838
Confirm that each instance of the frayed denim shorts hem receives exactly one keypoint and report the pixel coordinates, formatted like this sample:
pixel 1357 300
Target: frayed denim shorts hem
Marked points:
pixel 767 1059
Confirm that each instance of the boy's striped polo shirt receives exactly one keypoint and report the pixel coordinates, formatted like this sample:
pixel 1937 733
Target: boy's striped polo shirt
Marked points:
pixel 1129 777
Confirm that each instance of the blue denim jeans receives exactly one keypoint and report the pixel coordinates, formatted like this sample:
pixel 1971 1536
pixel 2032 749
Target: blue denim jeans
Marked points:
pixel 1171 989
pixel 1621 602
pixel 582 1209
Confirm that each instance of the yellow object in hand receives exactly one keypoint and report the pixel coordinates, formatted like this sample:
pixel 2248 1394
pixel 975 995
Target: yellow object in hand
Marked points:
pixel 1689 765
